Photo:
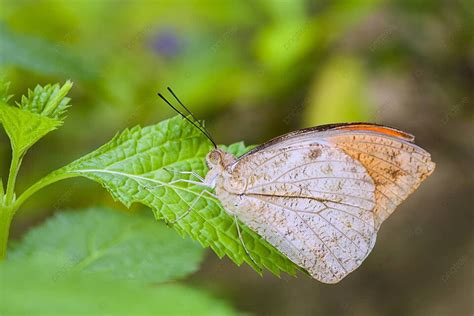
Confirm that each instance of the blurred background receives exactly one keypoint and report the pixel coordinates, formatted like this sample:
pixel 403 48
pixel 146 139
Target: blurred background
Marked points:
pixel 254 70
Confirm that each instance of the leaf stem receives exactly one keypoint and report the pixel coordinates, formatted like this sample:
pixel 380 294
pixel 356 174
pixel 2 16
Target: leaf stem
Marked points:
pixel 6 216
pixel 6 204
pixel 14 167
pixel 49 179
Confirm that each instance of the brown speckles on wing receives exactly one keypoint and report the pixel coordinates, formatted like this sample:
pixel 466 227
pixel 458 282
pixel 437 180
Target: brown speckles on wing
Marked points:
pixel 314 153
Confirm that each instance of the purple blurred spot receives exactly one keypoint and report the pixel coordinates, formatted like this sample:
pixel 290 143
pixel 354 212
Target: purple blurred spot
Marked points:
pixel 167 43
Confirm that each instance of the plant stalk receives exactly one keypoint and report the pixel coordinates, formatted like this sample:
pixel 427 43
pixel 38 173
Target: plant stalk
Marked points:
pixel 7 211
pixel 14 167
pixel 49 179
pixel 6 216
pixel 7 208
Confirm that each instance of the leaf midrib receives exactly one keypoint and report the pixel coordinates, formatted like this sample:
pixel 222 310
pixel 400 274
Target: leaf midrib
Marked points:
pixel 95 254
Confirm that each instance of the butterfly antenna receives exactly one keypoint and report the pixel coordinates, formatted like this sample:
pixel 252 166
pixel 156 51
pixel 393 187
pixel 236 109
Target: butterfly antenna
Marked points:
pixel 192 115
pixel 187 119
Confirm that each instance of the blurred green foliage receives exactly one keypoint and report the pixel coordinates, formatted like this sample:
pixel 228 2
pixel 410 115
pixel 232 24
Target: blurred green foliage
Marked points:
pixel 340 94
pixel 105 243
pixel 37 287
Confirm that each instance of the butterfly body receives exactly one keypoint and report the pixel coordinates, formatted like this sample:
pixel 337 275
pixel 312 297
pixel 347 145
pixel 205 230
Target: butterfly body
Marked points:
pixel 319 195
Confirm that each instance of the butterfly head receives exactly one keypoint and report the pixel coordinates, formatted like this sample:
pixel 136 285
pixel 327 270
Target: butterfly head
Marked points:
pixel 217 160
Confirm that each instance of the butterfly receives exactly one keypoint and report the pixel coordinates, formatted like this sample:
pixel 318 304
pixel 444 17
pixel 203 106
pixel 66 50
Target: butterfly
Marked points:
pixel 319 195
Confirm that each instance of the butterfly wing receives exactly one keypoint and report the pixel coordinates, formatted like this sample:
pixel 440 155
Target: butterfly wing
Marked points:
pixel 396 165
pixel 319 196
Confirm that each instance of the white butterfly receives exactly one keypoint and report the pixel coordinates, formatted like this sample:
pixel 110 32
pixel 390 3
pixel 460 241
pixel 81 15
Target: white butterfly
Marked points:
pixel 319 195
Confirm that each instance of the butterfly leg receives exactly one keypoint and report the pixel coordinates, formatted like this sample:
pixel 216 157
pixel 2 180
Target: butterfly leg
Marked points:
pixel 192 173
pixel 186 181
pixel 192 205
pixel 163 184
pixel 242 241
pixel 149 189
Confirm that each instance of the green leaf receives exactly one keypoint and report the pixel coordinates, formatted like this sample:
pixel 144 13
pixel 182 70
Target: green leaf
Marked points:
pixel 39 113
pixel 111 244
pixel 24 128
pixel 28 288
pixel 50 100
pixel 138 166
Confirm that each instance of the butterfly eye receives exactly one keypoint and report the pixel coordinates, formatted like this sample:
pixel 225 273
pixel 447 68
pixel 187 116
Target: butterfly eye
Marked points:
pixel 213 158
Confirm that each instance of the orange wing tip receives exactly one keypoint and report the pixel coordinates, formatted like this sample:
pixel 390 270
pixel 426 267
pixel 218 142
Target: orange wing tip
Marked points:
pixel 378 129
